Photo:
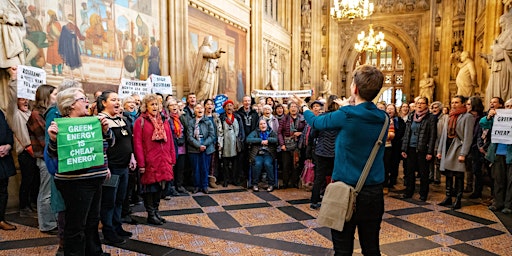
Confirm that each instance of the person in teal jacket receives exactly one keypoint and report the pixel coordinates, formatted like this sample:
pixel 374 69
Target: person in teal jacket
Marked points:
pixel 500 155
pixel 359 127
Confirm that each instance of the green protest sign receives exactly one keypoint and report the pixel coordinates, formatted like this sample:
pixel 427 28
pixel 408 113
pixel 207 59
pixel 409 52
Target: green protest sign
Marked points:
pixel 79 143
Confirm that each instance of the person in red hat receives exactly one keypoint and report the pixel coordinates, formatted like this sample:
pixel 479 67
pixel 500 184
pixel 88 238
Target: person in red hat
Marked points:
pixel 230 137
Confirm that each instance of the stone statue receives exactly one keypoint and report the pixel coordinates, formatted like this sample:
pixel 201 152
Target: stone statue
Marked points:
pixel 306 14
pixel 466 78
pixel 501 62
pixel 305 65
pixel 273 84
pixel 12 25
pixel 454 60
pixel 205 71
pixel 326 87
pixel 427 87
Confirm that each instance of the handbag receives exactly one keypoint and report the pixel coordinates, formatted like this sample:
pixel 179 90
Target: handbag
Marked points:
pixel 290 143
pixel 28 148
pixel 308 173
pixel 339 201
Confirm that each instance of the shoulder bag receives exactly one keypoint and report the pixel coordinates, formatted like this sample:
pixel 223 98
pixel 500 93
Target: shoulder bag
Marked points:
pixel 339 201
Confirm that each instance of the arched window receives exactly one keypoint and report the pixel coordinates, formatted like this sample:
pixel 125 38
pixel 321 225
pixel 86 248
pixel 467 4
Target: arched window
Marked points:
pixel 391 65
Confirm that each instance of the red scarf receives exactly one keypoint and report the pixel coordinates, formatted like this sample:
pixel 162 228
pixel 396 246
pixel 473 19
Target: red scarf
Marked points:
pixel 452 122
pixel 230 119
pixel 159 130
pixel 177 124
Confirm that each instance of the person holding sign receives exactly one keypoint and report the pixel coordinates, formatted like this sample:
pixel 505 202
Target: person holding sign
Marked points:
pixel 500 155
pixel 120 159
pixel 155 153
pixel 80 187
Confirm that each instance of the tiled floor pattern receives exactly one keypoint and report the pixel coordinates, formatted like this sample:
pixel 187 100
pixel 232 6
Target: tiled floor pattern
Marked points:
pixel 236 221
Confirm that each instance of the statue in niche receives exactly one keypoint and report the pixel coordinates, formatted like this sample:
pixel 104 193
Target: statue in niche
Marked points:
pixel 399 63
pixel 501 62
pixel 466 78
pixel 461 7
pixel 205 70
pixel 455 61
pixel 427 87
pixel 305 65
pixel 326 86
pixel 274 75
pixel 400 6
pixel 306 14
pixel 422 5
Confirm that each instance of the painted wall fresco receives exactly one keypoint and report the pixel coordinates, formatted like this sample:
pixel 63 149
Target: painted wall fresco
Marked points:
pixel 99 41
pixel 231 71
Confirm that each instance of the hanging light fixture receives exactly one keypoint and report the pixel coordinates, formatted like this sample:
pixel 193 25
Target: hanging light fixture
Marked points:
pixel 351 9
pixel 372 42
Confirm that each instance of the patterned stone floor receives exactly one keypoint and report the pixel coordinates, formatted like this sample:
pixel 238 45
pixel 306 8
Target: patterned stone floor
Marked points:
pixel 235 221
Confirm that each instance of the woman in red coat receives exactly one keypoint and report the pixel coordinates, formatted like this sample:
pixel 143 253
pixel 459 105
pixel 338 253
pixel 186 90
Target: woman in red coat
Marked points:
pixel 155 154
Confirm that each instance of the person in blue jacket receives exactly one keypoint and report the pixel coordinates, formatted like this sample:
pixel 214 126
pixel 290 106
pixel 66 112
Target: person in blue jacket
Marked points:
pixel 359 123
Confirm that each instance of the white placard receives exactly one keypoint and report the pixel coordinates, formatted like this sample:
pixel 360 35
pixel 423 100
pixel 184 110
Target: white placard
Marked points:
pixel 281 94
pixel 502 127
pixel 161 84
pixel 29 78
pixel 129 87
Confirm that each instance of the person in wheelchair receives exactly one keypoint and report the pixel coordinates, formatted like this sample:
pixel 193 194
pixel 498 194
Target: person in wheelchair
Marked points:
pixel 263 143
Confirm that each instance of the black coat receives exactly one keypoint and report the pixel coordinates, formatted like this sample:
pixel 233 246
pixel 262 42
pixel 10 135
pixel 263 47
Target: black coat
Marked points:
pixel 427 134
pixel 7 168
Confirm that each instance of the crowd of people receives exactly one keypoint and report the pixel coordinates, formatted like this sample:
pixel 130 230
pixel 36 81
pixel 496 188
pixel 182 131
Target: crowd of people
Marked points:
pixel 158 147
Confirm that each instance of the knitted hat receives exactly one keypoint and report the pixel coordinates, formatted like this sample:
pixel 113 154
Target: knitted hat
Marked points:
pixel 227 102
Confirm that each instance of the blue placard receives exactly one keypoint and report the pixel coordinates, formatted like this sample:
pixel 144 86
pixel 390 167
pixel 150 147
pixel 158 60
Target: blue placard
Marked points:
pixel 219 100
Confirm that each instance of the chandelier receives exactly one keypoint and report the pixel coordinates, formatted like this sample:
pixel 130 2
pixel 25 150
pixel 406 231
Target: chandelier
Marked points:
pixel 372 43
pixel 351 9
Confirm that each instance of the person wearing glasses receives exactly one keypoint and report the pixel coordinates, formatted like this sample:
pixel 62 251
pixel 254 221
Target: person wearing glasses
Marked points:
pixel 418 146
pixel 81 189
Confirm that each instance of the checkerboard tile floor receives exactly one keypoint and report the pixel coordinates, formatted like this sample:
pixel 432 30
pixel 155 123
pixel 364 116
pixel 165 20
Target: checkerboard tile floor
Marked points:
pixel 236 221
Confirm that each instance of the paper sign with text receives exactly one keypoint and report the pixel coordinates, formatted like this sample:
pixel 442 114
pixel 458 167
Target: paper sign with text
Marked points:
pixel 281 94
pixel 502 127
pixel 129 87
pixel 29 78
pixel 219 100
pixel 79 143
pixel 161 84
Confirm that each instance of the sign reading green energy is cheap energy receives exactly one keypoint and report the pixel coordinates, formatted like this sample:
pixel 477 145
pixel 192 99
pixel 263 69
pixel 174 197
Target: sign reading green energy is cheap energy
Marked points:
pixel 79 143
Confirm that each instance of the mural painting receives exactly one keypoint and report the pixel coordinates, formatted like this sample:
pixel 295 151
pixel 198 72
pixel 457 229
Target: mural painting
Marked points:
pixel 98 41
pixel 231 66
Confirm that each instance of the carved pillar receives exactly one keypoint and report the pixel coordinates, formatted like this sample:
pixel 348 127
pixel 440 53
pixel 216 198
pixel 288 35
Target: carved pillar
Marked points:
pixel 177 45
pixel 316 48
pixel 296 45
pixel 306 46
pixel 257 54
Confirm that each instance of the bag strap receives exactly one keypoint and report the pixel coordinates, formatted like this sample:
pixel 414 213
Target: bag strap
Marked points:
pixel 369 163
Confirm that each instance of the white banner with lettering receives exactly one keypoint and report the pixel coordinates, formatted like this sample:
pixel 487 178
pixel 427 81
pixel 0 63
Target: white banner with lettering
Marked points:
pixel 281 94
pixel 129 87
pixel 502 127
pixel 161 84
pixel 29 79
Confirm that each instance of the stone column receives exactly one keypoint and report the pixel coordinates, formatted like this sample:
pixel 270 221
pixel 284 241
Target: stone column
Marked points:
pixel 296 46
pixel 256 52
pixel 177 53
